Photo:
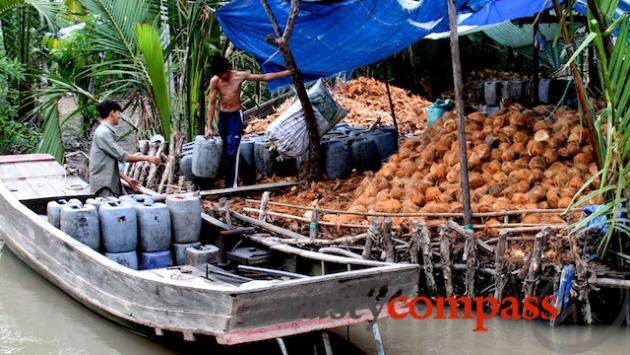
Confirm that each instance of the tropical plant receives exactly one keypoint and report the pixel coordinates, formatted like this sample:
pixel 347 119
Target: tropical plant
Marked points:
pixel 611 125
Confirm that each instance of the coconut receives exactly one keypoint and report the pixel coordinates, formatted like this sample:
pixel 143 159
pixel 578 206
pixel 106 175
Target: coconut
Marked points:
pixel 432 193
pixel 537 163
pixel 530 219
pixel 388 206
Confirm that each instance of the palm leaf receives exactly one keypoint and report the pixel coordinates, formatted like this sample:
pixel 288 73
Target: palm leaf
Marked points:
pixel 148 39
pixel 46 9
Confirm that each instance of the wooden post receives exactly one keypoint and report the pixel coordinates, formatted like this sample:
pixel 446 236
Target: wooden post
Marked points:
pixel 445 256
pixel 262 215
pixel 425 244
pixel 459 102
pixel 313 229
pixel 373 235
pixel 151 183
pixel 581 280
pixel 281 41
pixel 500 276
pixel 472 264
pixel 388 246
pixel 531 280
pixel 414 243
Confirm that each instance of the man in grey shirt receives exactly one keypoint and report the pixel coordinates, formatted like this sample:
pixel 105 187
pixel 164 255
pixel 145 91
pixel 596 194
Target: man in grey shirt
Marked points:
pixel 105 155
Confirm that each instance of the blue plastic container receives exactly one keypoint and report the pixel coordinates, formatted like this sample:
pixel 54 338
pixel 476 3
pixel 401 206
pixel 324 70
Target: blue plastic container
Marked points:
pixel 154 226
pixel 128 259
pixel 82 224
pixel 337 159
pixel 179 250
pixel 185 214
pixel 365 155
pixel 156 260
pixel 119 227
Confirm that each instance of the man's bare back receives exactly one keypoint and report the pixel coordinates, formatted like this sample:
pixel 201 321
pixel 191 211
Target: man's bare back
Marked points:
pixel 227 88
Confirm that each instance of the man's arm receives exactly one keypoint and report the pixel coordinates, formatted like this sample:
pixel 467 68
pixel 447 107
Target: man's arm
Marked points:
pixel 111 148
pixel 149 158
pixel 212 102
pixel 268 76
pixel 133 183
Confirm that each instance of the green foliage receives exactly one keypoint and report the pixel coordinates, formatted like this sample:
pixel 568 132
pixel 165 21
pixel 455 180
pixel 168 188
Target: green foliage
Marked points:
pixel 148 40
pixel 612 127
pixel 16 137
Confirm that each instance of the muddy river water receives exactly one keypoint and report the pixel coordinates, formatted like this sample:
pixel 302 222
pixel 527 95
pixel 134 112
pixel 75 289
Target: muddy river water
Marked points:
pixel 38 318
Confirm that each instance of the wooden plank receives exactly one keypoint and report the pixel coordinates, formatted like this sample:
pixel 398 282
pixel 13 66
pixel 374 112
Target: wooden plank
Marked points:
pixel 4 159
pixel 249 188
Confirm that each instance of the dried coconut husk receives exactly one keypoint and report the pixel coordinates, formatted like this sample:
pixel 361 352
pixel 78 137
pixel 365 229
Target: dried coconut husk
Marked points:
pixel 537 194
pixel 432 193
pixel 517 119
pixel 534 148
pixel 382 195
pixel 540 125
pixel 475 180
pixel 503 146
pixel 560 180
pixel 553 197
pixel 437 172
pixel 444 198
pixel 522 186
pixel 474 161
pixel 510 130
pixel 530 219
pixel 518 148
pixel 583 158
pixel 495 154
pixel 568 191
pixel 520 199
pixel 388 206
pixel 520 174
pixel 508 155
pixel 453 176
pixel 551 219
pixel 535 176
pixel 417 197
pixel 487 130
pixel 544 205
pixel 483 208
pixel 507 167
pixel 409 207
pixel 451 158
pixel 435 207
pixel 576 182
pixel 582 169
pixel 456 207
pixel 487 178
pixel 397 193
pixel 491 167
pixel 406 168
pixel 501 204
pixel 564 202
pixel 573 148
pixel 537 163
pixel 520 137
pixel 477 117
pixel 550 156
pixel 577 133
pixel 388 170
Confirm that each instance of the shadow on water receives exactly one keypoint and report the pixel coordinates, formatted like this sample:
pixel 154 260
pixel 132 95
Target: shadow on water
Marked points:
pixel 38 318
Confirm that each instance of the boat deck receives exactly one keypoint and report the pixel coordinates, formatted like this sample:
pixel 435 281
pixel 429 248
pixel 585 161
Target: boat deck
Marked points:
pixel 39 176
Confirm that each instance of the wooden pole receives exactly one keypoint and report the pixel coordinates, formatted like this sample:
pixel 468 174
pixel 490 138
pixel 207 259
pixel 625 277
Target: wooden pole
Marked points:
pixel 500 276
pixel 472 264
pixel 445 256
pixel 372 236
pixel 459 102
pixel 536 60
pixel 262 214
pixel 535 260
pixel 313 229
pixel 414 243
pixel 388 246
pixel 581 280
pixel 425 245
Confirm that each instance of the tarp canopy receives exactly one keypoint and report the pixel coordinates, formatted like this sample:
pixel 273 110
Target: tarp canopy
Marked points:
pixel 334 36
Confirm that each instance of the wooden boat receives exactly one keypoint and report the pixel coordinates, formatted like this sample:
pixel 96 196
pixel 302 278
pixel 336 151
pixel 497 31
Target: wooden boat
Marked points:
pixel 191 301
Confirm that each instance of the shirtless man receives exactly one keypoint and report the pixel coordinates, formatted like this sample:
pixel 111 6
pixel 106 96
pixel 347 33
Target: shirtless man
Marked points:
pixel 227 84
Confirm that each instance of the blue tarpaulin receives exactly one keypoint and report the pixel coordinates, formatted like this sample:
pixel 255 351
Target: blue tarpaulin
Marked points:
pixel 340 36
pixel 329 38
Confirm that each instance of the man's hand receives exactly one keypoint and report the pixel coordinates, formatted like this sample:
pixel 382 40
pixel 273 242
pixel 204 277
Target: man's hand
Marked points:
pixel 134 184
pixel 154 160
pixel 209 131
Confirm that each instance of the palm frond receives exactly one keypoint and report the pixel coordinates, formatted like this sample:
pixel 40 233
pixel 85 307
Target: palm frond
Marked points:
pixel 47 9
pixel 148 39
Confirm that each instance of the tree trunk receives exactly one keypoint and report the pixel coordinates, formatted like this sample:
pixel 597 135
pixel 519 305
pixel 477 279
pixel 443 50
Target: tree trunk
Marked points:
pixel 313 165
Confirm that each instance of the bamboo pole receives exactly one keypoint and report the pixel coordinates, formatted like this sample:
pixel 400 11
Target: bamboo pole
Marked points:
pixel 414 214
pixel 581 280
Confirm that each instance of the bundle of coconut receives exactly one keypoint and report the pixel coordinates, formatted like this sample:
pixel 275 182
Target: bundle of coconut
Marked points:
pixel 366 101
pixel 518 159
